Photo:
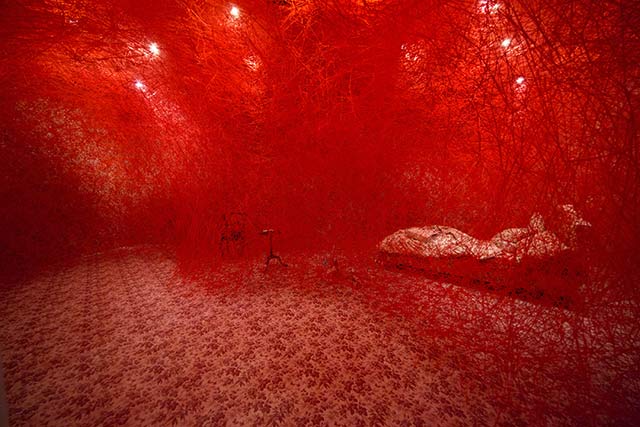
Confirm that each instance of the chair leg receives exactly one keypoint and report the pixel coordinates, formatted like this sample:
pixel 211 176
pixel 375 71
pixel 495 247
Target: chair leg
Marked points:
pixel 277 258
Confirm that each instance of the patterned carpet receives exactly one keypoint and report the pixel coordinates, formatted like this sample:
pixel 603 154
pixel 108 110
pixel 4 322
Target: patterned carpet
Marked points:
pixel 119 339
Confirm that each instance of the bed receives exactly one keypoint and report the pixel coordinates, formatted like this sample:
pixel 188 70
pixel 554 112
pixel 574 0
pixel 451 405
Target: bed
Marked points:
pixel 531 263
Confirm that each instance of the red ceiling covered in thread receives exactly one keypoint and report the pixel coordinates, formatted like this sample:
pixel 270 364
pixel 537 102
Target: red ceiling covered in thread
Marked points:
pixel 335 122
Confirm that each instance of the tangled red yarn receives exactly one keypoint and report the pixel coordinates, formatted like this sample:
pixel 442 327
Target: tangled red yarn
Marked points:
pixel 190 124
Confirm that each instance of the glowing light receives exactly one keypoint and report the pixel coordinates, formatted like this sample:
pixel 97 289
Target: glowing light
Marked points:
pixel 489 6
pixel 140 86
pixel 252 62
pixel 410 52
pixel 506 43
pixel 235 12
pixel 154 49
pixel 520 80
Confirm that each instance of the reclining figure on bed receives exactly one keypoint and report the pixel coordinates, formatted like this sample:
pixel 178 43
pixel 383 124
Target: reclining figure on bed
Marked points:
pixel 445 249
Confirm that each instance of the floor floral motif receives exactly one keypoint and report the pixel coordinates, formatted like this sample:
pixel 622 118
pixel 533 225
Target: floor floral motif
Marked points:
pixel 120 338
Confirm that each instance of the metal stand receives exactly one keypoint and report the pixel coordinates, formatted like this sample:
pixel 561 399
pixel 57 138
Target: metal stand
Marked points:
pixel 271 255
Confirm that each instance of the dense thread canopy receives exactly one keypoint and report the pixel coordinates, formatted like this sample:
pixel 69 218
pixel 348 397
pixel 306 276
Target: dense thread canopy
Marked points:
pixel 336 122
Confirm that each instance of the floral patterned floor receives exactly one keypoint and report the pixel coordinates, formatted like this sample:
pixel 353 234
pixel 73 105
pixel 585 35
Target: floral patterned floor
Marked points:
pixel 119 339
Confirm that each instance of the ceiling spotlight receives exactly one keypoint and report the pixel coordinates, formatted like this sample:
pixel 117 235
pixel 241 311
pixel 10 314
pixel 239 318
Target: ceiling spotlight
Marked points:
pixel 140 86
pixel 489 6
pixel 252 62
pixel 235 12
pixel 153 48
